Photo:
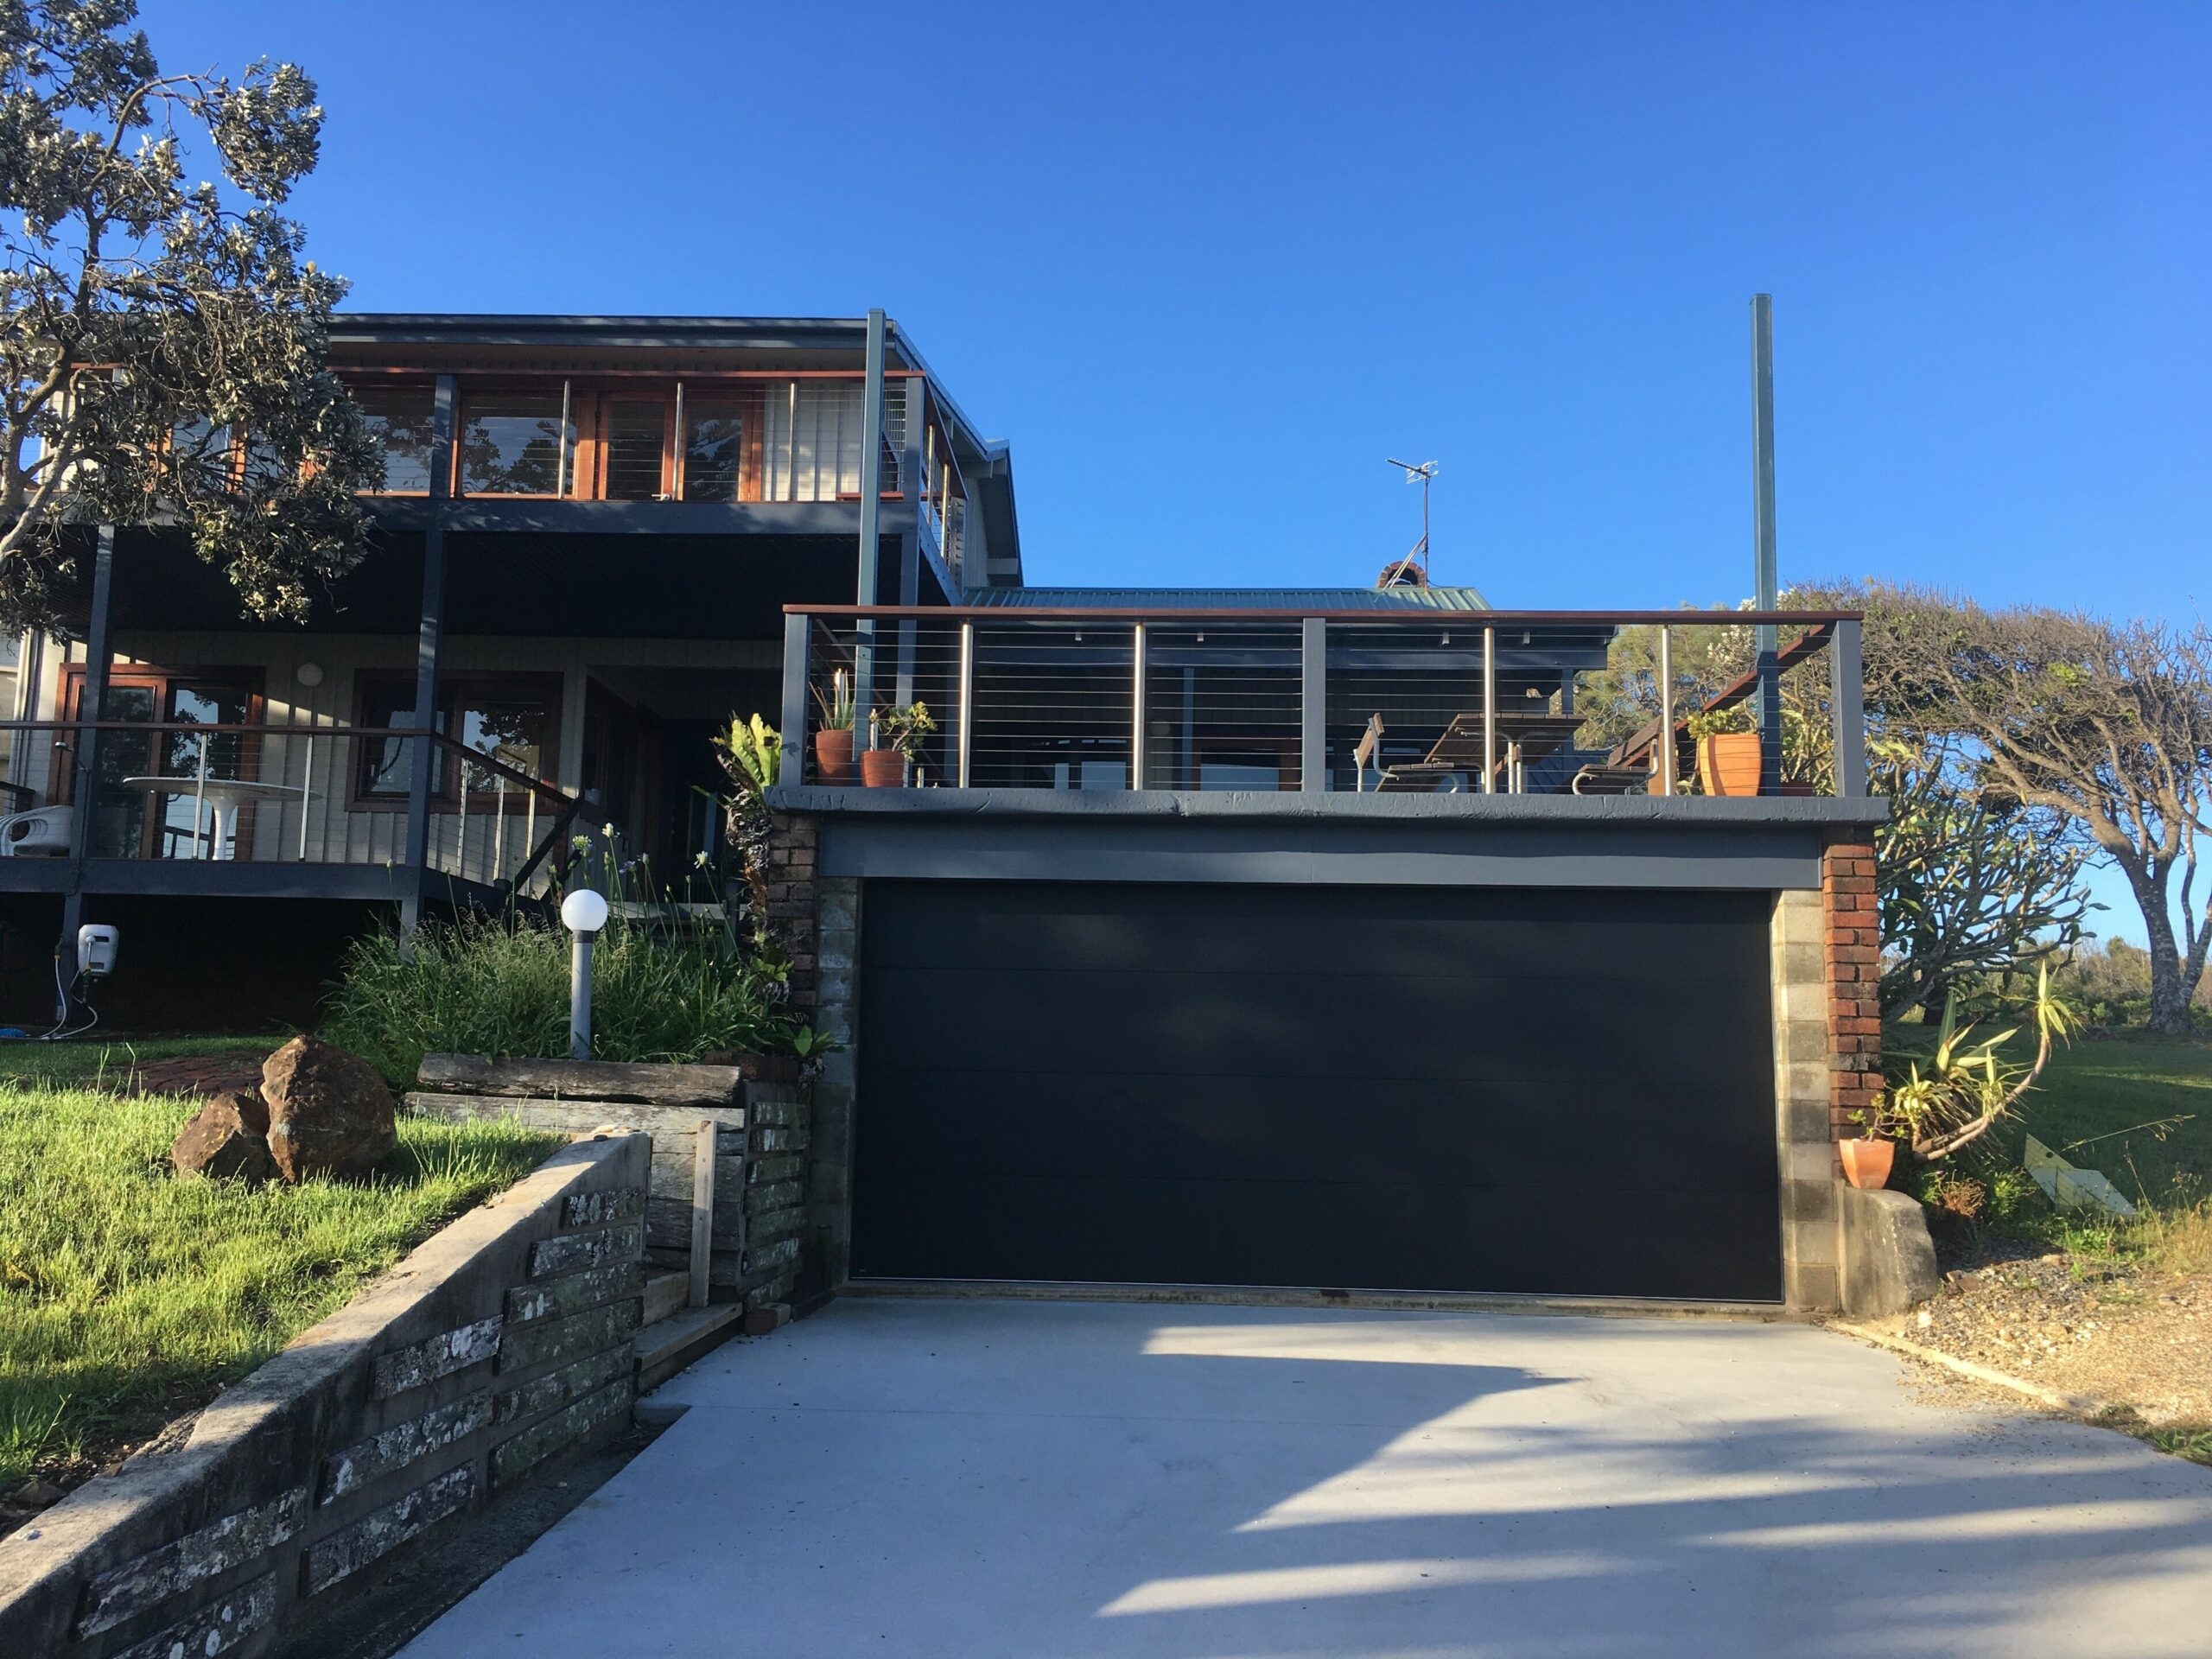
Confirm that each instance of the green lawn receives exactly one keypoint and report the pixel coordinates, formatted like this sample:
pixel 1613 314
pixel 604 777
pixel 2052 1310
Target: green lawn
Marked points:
pixel 2095 1097
pixel 128 1294
pixel 109 1057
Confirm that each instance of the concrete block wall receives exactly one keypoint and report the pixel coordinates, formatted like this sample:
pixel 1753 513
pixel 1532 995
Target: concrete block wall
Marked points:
pixel 1803 1082
pixel 498 1344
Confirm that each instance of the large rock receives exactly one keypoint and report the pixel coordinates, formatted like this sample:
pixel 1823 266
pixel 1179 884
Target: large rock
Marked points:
pixel 329 1113
pixel 227 1137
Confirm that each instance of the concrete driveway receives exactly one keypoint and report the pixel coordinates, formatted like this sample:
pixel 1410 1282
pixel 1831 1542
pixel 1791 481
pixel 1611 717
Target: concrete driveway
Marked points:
pixel 995 1479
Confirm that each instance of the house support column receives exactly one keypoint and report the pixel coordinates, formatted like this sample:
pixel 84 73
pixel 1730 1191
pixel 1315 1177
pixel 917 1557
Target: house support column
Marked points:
pixel 91 705
pixel 429 647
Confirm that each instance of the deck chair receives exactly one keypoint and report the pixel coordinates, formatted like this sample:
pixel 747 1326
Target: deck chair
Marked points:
pixel 1407 776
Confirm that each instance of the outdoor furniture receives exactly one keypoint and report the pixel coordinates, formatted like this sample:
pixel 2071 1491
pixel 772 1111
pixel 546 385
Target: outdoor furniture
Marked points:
pixel 221 795
pixel 1523 737
pixel 1597 779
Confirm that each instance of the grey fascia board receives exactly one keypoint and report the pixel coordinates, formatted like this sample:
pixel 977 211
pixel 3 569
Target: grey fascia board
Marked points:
pixel 1350 807
pixel 489 513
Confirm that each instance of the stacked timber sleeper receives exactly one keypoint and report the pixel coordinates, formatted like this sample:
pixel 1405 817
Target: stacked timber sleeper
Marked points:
pixel 727 1197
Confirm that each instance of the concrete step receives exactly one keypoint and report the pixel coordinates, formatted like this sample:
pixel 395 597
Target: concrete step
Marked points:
pixel 665 1294
pixel 666 1347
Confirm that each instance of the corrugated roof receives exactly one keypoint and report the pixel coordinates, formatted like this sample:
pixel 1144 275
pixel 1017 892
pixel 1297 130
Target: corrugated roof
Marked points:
pixel 1255 599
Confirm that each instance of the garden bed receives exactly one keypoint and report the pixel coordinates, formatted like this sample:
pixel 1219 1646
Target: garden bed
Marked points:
pixel 130 1296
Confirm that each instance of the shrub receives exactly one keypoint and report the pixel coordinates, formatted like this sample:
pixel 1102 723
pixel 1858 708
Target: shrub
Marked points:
pixel 661 990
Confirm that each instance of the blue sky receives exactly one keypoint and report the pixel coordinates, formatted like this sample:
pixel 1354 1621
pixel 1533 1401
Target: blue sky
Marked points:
pixel 1206 265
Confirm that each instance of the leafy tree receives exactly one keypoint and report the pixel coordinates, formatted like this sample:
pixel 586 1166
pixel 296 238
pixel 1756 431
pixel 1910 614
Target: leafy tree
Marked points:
pixel 1970 885
pixel 2106 726
pixel 162 353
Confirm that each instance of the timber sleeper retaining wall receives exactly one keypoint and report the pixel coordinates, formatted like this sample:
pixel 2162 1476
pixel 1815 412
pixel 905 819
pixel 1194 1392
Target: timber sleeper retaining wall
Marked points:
pixel 501 1342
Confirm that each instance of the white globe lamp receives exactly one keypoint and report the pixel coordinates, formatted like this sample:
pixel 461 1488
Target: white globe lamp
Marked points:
pixel 585 913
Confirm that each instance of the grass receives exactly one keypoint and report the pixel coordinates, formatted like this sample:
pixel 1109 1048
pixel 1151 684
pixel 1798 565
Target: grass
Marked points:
pixel 127 1295
pixel 2095 1100
pixel 108 1058
pixel 2136 1106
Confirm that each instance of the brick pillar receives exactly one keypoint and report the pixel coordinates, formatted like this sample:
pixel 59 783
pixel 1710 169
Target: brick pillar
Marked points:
pixel 1854 969
pixel 792 908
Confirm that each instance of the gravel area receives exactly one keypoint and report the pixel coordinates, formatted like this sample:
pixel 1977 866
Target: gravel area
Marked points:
pixel 2126 1335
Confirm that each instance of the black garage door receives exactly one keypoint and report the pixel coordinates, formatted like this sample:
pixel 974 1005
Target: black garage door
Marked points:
pixel 1515 1090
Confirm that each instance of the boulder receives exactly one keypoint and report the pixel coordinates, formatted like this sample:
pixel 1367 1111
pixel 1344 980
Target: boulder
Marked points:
pixel 227 1137
pixel 329 1113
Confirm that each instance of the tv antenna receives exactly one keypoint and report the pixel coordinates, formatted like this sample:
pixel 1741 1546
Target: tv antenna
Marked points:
pixel 1412 571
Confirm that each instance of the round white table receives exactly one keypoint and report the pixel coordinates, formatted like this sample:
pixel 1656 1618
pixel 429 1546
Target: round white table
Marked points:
pixel 221 795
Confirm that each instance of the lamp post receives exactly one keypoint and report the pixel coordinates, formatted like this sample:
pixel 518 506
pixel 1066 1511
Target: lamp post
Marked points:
pixel 585 912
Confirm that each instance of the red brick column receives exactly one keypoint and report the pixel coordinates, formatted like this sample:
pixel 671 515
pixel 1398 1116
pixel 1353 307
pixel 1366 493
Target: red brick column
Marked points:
pixel 1854 971
pixel 791 909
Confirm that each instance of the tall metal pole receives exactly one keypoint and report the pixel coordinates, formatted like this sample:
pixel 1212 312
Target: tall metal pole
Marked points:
pixel 871 517
pixel 1667 759
pixel 1766 568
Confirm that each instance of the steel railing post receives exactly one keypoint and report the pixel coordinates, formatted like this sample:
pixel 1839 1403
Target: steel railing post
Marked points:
pixel 1490 710
pixel 964 736
pixel 798 639
pixel 307 788
pixel 1667 759
pixel 1136 708
pixel 1313 706
pixel 199 797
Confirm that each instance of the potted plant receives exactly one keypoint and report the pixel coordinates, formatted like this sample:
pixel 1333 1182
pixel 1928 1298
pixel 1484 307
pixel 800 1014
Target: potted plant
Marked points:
pixel 898 732
pixel 833 740
pixel 1868 1155
pixel 1727 751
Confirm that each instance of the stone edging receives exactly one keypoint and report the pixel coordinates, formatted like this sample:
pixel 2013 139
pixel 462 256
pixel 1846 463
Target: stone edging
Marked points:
pixel 2085 1406
pixel 503 1339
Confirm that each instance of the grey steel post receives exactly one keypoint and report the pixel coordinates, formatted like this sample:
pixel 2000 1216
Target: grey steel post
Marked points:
pixel 1766 570
pixel 580 997
pixel 91 705
pixel 429 643
pixel 1136 709
pixel 790 766
pixel 200 798
pixel 1667 759
pixel 1848 709
pixel 871 517
pixel 964 736
pixel 1490 710
pixel 1313 706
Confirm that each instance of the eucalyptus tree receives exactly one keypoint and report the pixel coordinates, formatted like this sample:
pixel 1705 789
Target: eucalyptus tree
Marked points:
pixel 162 338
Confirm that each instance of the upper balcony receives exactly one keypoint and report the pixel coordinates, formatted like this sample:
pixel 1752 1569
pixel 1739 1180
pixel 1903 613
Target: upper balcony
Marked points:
pixel 690 425
pixel 1481 711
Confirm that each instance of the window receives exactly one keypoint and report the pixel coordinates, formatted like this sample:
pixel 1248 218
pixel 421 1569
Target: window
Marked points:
pixel 510 718
pixel 713 450
pixel 513 443
pixel 634 436
pixel 398 417
pixel 133 817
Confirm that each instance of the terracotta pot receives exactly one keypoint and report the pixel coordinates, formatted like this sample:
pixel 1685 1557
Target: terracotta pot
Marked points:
pixel 833 755
pixel 883 768
pixel 1866 1163
pixel 1728 763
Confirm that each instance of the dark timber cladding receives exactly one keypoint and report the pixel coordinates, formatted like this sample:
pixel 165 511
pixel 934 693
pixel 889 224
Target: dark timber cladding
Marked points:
pixel 1531 1091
